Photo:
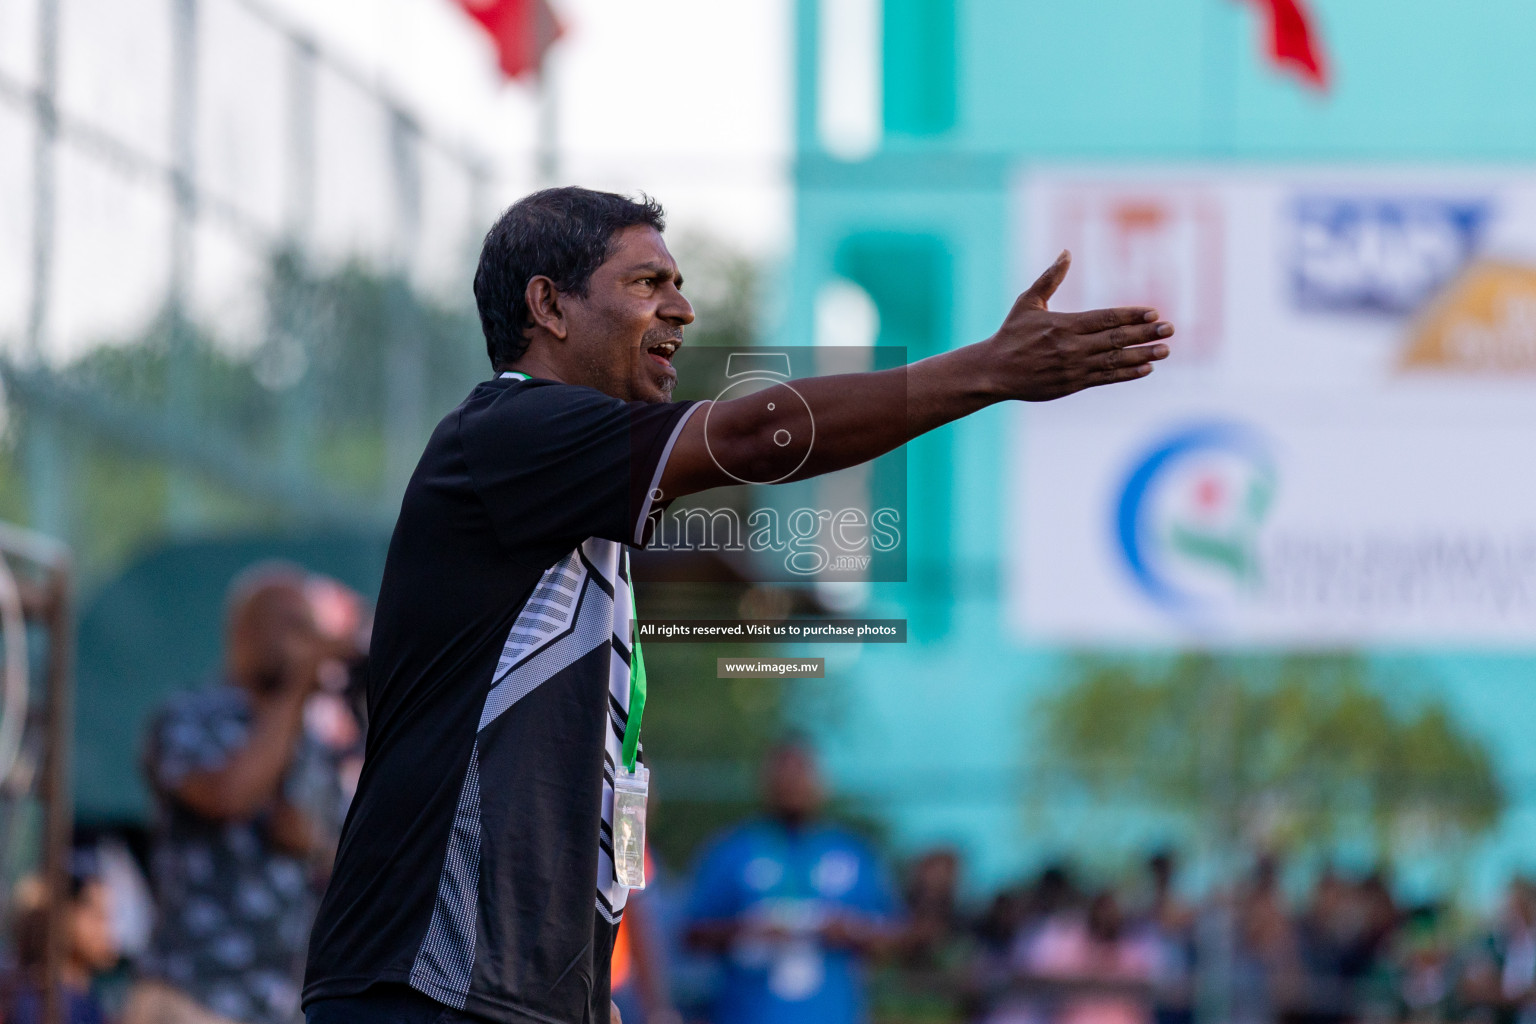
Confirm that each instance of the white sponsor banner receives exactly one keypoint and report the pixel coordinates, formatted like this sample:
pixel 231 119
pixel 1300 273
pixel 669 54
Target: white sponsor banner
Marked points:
pixel 1343 449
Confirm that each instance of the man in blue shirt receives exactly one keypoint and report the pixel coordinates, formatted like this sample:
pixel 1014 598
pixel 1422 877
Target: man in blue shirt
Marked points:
pixel 793 905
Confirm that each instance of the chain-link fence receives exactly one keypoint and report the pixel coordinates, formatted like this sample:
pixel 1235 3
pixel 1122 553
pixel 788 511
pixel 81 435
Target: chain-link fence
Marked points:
pixel 232 273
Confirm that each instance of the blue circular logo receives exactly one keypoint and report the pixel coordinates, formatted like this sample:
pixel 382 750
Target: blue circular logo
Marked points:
pixel 1190 513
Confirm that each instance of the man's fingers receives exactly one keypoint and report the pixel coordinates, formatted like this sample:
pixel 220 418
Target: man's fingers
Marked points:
pixel 1125 373
pixel 1121 358
pixel 1094 321
pixel 1122 337
pixel 1038 294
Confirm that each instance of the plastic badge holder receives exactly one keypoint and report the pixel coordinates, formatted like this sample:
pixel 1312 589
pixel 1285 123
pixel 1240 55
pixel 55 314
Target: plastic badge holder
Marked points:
pixel 629 791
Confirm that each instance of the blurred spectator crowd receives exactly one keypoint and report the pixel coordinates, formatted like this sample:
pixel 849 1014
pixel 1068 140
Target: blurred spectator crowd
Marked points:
pixel 1059 950
pixel 788 917
pixel 250 774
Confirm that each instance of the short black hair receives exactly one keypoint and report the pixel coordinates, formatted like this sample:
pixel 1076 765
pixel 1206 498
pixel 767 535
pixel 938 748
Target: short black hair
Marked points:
pixel 562 233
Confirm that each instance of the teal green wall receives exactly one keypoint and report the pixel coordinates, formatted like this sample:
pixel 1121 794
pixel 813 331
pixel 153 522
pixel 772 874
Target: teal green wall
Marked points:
pixel 1414 82
pixel 919 73
pixel 158 630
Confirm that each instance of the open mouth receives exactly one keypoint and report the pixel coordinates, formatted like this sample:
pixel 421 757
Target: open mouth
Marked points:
pixel 662 351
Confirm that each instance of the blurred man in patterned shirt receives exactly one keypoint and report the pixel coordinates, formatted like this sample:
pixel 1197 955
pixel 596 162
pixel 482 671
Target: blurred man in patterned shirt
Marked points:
pixel 239 823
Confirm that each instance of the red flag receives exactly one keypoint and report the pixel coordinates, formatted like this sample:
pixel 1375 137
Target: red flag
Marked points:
pixel 521 29
pixel 1292 42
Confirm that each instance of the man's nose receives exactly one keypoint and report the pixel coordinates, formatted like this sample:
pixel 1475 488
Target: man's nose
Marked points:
pixel 676 309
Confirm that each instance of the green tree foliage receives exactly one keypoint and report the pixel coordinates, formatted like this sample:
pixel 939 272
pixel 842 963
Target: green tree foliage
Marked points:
pixel 1293 751
pixel 310 399
pixel 725 287
pixel 703 736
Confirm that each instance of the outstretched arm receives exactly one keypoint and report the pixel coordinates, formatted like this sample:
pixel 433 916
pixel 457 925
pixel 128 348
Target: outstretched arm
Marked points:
pixel 808 427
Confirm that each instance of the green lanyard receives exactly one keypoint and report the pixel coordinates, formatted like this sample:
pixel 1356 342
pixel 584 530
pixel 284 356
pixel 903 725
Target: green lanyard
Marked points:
pixel 515 375
pixel 636 681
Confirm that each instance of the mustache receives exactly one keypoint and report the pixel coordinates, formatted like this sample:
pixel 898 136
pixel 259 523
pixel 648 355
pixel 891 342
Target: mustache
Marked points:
pixel 664 334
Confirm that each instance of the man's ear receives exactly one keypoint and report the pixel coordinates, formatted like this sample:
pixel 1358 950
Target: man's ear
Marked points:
pixel 544 306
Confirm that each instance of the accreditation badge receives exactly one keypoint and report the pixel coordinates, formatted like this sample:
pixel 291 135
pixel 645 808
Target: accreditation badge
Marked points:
pixel 629 792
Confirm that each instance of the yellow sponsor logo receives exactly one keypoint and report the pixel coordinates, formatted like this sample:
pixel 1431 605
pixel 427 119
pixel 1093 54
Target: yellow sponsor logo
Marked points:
pixel 1483 322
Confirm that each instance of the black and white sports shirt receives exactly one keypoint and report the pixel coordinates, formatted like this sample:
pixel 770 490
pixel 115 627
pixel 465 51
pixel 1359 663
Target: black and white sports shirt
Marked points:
pixel 475 864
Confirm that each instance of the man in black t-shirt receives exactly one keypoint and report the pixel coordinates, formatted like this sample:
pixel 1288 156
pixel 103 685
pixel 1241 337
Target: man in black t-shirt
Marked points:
pixel 475 877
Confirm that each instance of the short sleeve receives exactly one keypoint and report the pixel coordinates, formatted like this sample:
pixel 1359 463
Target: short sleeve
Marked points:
pixel 716 894
pixel 873 893
pixel 187 738
pixel 555 464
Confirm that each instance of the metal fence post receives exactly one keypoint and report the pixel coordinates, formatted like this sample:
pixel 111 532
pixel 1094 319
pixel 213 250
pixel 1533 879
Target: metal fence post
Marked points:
pixel 294 323
pixel 181 382
pixel 58 806
pixel 404 386
pixel 45 485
